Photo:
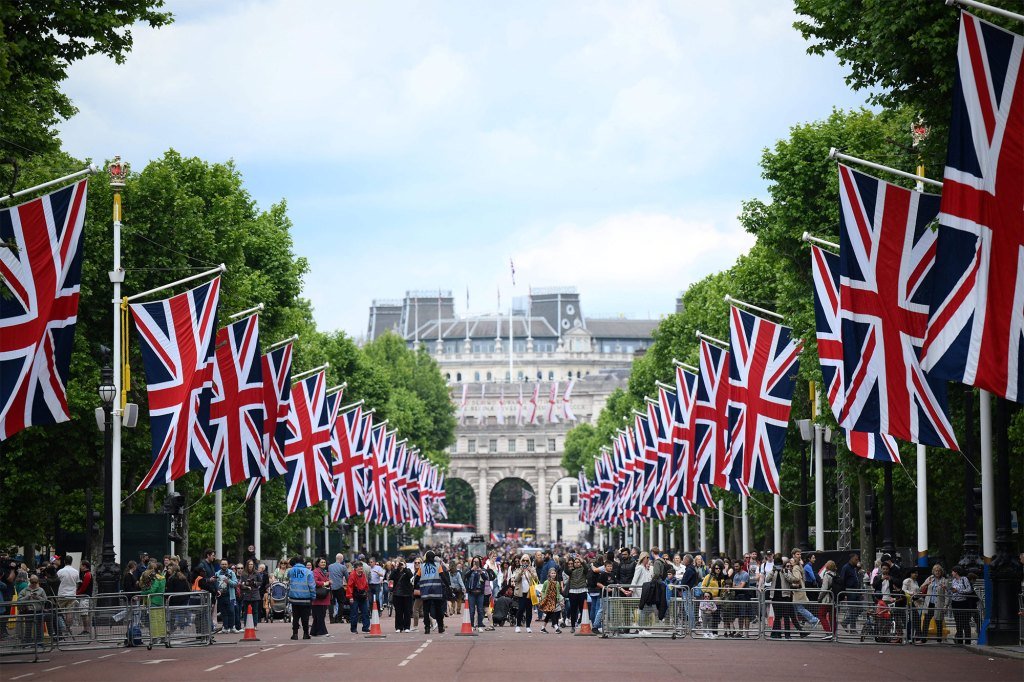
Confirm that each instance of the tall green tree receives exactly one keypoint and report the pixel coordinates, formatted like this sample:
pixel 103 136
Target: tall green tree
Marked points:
pixel 39 40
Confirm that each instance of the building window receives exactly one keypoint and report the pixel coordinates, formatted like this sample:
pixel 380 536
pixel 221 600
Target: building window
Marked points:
pixel 577 374
pixel 508 377
pixel 448 376
pixel 471 445
pixel 488 376
pixel 551 444
pixel 540 375
pixel 511 444
pixel 458 377
pixel 520 376
pixel 573 495
pixel 530 447
pixel 551 375
pixel 476 376
pixel 558 498
pixel 492 445
pixel 454 448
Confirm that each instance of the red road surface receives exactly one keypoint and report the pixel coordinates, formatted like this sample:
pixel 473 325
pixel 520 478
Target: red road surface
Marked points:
pixel 498 654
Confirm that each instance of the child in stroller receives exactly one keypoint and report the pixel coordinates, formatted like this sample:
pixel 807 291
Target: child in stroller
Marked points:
pixel 279 606
pixel 504 608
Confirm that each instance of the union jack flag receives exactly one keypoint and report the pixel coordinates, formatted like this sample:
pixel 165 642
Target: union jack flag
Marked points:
pixel 976 324
pixel 647 441
pixel 672 486
pixel 567 412
pixel 763 362
pixel 684 436
pixel 307 449
pixel 237 410
pixel 349 495
pixel 825 271
pixel 277 395
pixel 711 416
pixel 177 340
pixel 887 249
pixel 532 419
pixel 41 265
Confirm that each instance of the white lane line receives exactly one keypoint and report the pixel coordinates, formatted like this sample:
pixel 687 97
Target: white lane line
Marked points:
pixel 107 655
pixel 250 655
pixel 82 661
pixel 210 670
pixel 409 658
pixel 233 660
pixel 21 676
pixel 54 668
pixel 403 663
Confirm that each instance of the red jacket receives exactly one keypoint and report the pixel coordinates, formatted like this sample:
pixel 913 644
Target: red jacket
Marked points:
pixel 357 583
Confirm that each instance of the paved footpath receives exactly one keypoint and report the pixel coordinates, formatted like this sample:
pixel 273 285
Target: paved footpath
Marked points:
pixel 494 655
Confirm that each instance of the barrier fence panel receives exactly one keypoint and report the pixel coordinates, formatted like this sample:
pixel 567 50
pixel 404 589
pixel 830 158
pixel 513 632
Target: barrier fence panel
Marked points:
pixel 189 619
pixel 730 618
pixel 868 621
pixel 23 630
pixel 800 614
pixel 89 622
pixel 662 614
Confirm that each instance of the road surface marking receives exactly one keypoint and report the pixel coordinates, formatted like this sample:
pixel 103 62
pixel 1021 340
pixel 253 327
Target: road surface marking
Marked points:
pixel 250 655
pixel 233 660
pixel 54 668
pixel 210 670
pixel 21 676
pixel 332 654
pixel 403 663
pixel 154 661
pixel 107 655
pixel 81 662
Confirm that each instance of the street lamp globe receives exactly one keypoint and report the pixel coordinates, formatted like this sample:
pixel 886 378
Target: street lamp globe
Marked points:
pixel 107 389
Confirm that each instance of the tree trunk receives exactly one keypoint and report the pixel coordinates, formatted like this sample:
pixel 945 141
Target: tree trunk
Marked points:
pixel 867 542
pixel 150 502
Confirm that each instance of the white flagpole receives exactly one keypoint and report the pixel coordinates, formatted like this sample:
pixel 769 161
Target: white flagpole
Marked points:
pixel 703 546
pixel 218 523
pixel 91 170
pixel 116 278
pixel 255 309
pixel 721 527
pixel 685 546
pixel 808 237
pixel 986 8
pixel 744 530
pixel 293 337
pixel 777 534
pixel 819 479
pixel 257 529
pixel 834 153
pixel 303 375
pixel 988 485
pixel 751 306
pixel 213 271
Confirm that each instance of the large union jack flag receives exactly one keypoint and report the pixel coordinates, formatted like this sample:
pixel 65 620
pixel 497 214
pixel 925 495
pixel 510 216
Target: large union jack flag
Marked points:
pixel 976 327
pixel 237 410
pixel 41 266
pixel 672 484
pixel 711 416
pixel 177 340
pixel 763 362
pixel 825 272
pixel 307 449
pixel 349 496
pixel 276 369
pixel 887 250
pixel 684 436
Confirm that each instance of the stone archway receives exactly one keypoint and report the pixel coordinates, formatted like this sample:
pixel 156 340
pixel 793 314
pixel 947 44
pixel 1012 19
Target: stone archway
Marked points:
pixel 513 504
pixel 460 501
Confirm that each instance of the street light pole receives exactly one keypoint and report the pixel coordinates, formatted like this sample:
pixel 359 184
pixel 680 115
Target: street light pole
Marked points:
pixel 108 575
pixel 117 182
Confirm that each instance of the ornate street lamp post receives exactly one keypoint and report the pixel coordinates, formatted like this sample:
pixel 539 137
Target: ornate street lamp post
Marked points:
pixel 108 574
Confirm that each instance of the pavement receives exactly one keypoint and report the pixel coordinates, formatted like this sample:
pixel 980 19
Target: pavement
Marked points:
pixel 496 655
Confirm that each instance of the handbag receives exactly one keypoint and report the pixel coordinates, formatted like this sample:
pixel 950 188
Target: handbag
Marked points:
pixel 321 592
pixel 534 597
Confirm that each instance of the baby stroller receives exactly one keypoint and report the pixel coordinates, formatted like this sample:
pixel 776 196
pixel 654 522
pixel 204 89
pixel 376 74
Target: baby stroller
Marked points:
pixel 279 606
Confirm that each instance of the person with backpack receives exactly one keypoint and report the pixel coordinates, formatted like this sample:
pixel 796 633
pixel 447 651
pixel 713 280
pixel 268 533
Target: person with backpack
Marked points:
pixel 828 596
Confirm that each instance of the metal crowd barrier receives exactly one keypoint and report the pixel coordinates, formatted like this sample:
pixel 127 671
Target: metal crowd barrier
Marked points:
pixel 80 623
pixel 622 615
pixel 791 616
pixel 726 617
pixel 23 630
pixel 172 619
pixel 866 621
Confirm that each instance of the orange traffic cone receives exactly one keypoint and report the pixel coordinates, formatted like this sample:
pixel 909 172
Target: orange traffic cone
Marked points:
pixel 585 629
pixel 467 626
pixel 375 631
pixel 250 628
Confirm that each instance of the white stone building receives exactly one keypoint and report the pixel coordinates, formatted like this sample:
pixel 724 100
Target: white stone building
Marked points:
pixel 514 465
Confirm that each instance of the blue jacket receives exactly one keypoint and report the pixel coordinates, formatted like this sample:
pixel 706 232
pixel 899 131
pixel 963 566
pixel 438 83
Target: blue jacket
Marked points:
pixel 301 586
pixel 429 581
pixel 848 578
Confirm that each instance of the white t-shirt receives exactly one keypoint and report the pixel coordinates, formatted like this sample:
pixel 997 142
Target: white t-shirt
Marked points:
pixel 68 581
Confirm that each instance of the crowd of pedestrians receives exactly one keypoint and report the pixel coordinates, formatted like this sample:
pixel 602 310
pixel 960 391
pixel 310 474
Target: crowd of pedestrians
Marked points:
pixel 550 588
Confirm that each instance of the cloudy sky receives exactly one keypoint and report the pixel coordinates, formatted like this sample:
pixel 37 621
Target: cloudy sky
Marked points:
pixel 419 145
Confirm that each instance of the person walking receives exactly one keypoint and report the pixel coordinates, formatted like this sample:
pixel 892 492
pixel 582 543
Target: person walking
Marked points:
pixel 458 591
pixel 301 592
pixel 576 588
pixel 936 590
pixel 849 579
pixel 401 595
pixel 227 581
pixel 358 593
pixel 799 594
pixel 524 577
pixel 321 599
pixel 551 601
pixel 826 599
pixel 250 581
pixel 338 573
